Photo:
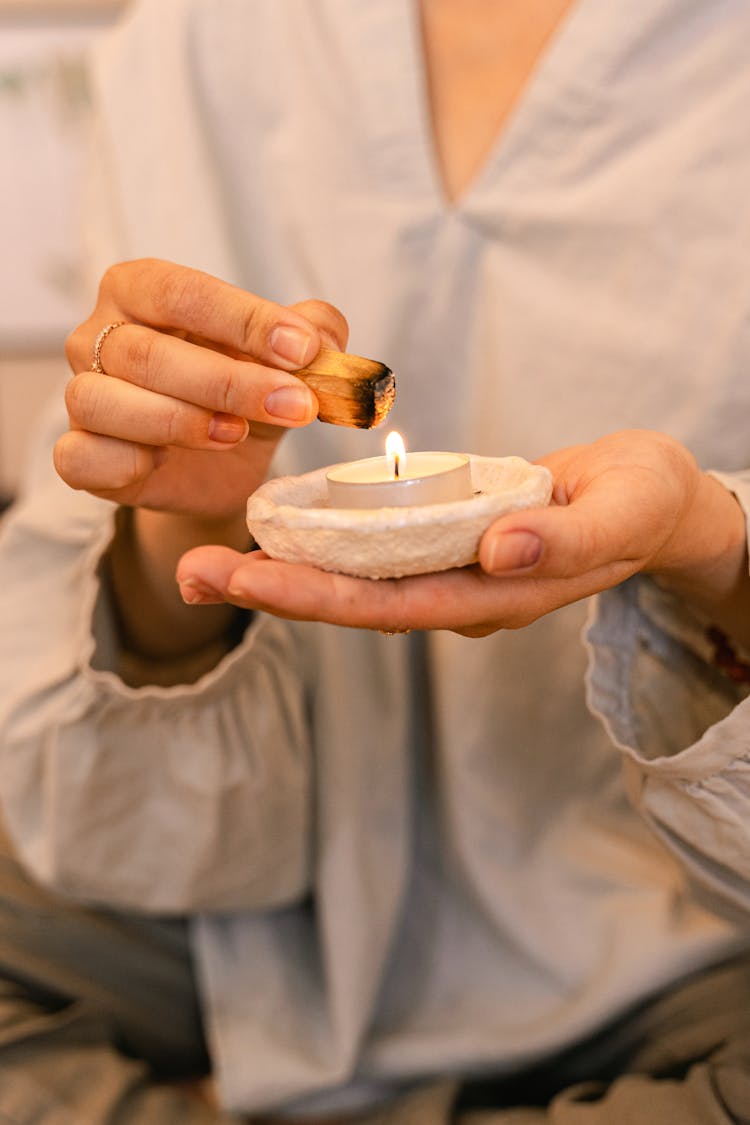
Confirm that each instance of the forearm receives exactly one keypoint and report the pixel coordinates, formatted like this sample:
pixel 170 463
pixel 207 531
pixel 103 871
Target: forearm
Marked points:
pixel 162 639
pixel 706 561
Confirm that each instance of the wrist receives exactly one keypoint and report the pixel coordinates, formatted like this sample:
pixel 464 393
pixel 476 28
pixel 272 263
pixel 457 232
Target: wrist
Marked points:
pixel 169 535
pixel 161 639
pixel 705 559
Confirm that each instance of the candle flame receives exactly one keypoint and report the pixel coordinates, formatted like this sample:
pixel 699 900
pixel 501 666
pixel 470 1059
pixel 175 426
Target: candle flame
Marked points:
pixel 395 452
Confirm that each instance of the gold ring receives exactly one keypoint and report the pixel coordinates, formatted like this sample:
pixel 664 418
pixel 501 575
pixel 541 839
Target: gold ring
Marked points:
pixel 96 362
pixel 393 632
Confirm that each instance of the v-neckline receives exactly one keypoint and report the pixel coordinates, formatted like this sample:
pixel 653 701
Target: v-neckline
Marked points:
pixel 460 158
pixel 396 89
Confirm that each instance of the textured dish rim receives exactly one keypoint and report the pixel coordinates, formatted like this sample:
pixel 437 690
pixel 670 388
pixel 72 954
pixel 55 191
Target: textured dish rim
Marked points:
pixel 270 501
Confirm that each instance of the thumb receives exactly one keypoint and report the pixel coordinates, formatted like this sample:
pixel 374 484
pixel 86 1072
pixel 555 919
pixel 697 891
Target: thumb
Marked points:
pixel 604 527
pixel 329 321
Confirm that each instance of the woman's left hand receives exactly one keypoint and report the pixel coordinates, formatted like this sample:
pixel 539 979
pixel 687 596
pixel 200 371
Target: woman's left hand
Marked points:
pixel 632 501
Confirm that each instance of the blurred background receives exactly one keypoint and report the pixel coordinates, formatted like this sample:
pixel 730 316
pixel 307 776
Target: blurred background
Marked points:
pixel 43 130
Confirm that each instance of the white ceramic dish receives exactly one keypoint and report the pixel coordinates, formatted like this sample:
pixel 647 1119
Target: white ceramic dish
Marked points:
pixel 290 519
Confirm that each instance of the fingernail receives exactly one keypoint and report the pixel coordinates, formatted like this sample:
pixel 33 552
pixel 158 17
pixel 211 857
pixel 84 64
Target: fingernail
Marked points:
pixel 292 344
pixel 195 592
pixel 291 404
pixel 227 428
pixel 515 550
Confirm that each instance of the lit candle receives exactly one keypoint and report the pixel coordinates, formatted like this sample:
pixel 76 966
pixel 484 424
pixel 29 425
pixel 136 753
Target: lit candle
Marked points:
pixel 397 481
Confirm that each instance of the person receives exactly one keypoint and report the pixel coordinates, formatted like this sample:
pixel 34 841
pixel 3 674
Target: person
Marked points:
pixel 391 878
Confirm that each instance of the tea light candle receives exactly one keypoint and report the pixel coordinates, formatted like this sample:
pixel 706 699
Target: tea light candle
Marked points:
pixel 397 481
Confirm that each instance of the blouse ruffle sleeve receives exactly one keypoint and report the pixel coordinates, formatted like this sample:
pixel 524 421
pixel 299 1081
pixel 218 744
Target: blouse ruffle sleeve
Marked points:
pixel 682 724
pixel 177 799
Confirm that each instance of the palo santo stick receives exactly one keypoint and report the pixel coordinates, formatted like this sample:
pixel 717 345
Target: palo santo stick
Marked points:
pixel 351 390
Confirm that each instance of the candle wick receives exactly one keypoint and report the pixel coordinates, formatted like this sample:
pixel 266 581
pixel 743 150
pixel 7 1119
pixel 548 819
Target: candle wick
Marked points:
pixel 396 460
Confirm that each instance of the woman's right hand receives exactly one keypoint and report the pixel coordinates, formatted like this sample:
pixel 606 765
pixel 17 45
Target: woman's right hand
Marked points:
pixel 197 389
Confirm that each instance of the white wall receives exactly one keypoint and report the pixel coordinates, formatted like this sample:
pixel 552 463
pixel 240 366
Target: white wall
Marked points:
pixel 25 389
pixel 43 122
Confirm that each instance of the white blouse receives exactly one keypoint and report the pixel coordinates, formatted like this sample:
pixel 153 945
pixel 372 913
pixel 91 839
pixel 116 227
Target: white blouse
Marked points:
pixel 406 857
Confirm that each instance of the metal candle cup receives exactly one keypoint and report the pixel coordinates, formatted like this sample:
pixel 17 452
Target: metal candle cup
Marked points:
pixel 423 478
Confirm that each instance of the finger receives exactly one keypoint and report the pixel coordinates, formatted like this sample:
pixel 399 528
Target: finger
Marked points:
pixel 172 366
pixel 115 408
pixel 330 322
pixel 297 592
pixel 175 297
pixel 102 465
pixel 463 600
pixel 301 592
